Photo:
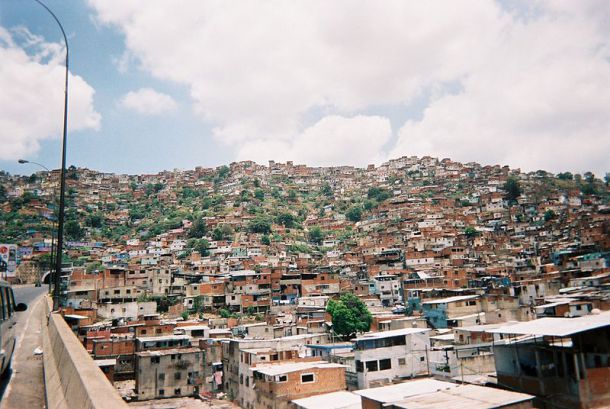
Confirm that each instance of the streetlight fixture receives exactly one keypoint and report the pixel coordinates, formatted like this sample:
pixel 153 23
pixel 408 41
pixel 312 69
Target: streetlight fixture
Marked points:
pixel 62 185
pixel 24 161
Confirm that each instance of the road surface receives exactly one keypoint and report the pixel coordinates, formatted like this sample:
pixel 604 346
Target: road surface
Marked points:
pixel 25 387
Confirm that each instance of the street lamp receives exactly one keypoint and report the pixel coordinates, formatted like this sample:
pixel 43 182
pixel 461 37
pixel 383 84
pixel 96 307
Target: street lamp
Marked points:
pixel 24 161
pixel 62 185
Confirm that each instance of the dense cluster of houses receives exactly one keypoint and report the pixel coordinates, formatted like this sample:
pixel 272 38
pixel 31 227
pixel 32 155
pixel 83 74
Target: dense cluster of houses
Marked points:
pixel 475 299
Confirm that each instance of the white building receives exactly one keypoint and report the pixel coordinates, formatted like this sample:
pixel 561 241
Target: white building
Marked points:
pixel 382 357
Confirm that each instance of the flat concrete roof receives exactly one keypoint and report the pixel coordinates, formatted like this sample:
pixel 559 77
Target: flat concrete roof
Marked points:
pixel 162 352
pixel 485 327
pixel 392 333
pixel 557 327
pixel 163 338
pixel 105 362
pixel 279 369
pixel 395 393
pixel 192 327
pixel 333 400
pixel 464 397
pixel 452 299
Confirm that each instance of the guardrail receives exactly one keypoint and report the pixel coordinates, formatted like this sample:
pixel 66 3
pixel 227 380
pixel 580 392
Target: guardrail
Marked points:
pixel 72 380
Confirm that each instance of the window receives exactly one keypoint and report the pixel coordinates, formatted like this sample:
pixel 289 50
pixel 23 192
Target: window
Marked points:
pixel 472 303
pixel 422 358
pixel 402 361
pixel 385 364
pixel 4 312
pixel 307 378
pixel 178 376
pixel 282 378
pixel 154 360
pixel 143 332
pixel 161 392
pixel 371 366
pixel 177 391
pixel 359 366
pixel 161 377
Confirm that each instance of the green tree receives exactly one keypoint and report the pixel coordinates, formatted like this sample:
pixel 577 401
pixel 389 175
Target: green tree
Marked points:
pixel 378 194
pixel 198 229
pixel 565 176
pixel 265 240
pixel 3 194
pixel 73 230
pixel 224 313
pixel 316 235
pixel 259 194
pixel 45 261
pixel 223 232
pixel 470 232
pixel 513 189
pixel 198 304
pixel 202 246
pixel 286 220
pixel 326 190
pixel 369 204
pixel 188 193
pixel 223 172
pixel 589 177
pixel 95 221
pixel 260 224
pixel 292 195
pixel 354 214
pixel 549 215
pixel 350 316
pixel 95 266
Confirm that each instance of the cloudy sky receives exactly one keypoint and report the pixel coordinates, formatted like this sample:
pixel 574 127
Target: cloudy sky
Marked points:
pixel 159 84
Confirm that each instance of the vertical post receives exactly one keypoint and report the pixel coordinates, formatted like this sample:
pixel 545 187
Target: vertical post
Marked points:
pixel 62 186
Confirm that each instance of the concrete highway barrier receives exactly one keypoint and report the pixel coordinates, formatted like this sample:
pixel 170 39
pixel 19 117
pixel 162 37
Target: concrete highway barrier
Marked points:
pixel 72 380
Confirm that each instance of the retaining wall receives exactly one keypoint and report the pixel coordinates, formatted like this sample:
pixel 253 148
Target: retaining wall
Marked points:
pixel 72 379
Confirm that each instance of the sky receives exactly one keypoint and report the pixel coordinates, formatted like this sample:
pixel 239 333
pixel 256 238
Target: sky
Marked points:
pixel 158 84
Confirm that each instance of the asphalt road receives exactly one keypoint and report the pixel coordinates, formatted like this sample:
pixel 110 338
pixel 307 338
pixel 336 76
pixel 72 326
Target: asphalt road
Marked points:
pixel 29 295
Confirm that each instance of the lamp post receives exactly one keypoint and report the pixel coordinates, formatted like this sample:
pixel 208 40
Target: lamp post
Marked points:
pixel 62 185
pixel 24 161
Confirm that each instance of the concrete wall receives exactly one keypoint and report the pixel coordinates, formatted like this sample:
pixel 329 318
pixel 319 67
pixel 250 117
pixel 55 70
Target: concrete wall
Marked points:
pixel 125 310
pixel 72 380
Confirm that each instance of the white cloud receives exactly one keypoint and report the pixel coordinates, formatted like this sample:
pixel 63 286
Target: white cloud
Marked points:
pixel 32 95
pixel 148 101
pixel 540 101
pixel 332 140
pixel 255 70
